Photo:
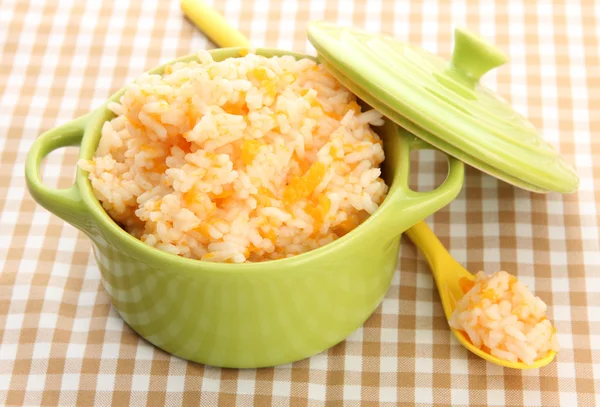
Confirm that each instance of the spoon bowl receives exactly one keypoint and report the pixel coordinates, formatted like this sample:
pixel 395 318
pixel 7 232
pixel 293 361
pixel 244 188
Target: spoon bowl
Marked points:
pixel 451 280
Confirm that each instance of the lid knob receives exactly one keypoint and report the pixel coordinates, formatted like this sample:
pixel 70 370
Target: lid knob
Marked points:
pixel 473 56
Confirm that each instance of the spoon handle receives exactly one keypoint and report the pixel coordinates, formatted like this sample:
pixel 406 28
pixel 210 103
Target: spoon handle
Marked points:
pixel 436 254
pixel 213 24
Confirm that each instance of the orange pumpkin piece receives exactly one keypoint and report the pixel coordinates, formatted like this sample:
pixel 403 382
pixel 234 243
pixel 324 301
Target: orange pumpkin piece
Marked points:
pixel 249 150
pixel 301 187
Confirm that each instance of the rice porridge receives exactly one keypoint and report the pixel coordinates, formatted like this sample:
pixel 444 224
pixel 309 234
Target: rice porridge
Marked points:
pixel 244 160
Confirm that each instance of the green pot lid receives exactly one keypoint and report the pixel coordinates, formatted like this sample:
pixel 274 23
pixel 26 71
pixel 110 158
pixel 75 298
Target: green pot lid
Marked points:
pixel 443 103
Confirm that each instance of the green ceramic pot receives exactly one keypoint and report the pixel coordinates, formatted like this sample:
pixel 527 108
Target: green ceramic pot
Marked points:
pixel 243 315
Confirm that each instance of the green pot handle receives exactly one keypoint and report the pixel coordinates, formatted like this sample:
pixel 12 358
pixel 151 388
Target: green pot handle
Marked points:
pixel 66 203
pixel 413 206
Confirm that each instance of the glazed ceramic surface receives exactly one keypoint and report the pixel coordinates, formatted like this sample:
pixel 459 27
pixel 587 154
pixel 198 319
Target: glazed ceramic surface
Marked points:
pixel 252 314
pixel 444 104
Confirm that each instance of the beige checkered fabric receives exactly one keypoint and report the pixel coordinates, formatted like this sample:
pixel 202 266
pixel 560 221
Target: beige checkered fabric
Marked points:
pixel 61 342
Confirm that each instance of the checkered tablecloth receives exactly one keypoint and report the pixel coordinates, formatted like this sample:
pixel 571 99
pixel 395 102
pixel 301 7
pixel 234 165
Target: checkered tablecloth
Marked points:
pixel 61 342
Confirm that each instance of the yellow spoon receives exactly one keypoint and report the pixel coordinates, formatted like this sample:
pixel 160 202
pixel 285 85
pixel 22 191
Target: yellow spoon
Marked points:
pixel 448 274
pixel 446 271
pixel 213 24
